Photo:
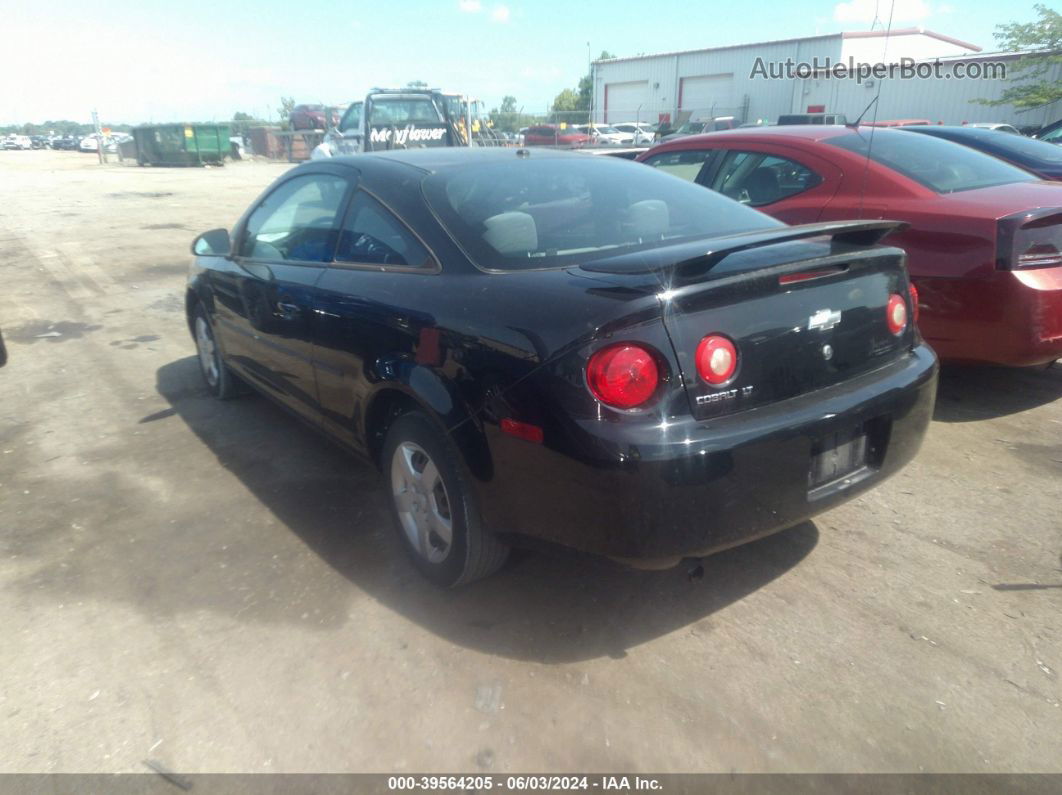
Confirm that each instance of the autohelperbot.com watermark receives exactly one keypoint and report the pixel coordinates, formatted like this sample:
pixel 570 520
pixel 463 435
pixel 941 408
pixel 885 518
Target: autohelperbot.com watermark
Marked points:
pixel 860 71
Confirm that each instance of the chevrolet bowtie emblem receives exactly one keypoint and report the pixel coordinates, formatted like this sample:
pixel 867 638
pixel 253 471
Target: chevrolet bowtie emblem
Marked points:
pixel 824 319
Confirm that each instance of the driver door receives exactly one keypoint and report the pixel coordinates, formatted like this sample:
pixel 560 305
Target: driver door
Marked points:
pixel 284 247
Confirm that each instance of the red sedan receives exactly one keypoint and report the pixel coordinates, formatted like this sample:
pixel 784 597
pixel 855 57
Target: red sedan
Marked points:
pixel 553 135
pixel 985 238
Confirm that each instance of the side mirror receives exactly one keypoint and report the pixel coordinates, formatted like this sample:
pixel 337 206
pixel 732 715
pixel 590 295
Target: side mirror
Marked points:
pixel 214 243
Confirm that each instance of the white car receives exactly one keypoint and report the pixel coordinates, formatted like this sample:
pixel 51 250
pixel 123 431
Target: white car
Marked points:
pixel 18 142
pixel 605 134
pixel 91 144
pixel 987 125
pixel 641 132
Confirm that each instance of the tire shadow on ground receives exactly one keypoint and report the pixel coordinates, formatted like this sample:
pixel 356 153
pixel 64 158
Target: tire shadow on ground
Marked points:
pixel 972 393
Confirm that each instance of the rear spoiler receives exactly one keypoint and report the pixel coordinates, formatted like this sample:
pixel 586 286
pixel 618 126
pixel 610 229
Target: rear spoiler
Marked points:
pixel 855 233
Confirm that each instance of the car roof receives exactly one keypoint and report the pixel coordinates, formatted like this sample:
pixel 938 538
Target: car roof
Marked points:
pixel 803 132
pixel 430 160
pixel 955 131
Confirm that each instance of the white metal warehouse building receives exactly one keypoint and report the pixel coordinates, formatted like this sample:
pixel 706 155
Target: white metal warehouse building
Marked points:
pixel 720 82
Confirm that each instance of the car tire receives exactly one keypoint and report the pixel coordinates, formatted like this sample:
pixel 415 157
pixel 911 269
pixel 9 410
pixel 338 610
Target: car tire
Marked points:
pixel 430 493
pixel 220 380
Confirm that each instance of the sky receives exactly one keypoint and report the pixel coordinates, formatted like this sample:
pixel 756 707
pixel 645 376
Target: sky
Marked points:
pixel 202 60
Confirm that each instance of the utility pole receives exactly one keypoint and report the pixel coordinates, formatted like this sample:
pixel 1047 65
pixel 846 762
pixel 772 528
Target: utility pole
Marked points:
pixel 99 137
pixel 590 63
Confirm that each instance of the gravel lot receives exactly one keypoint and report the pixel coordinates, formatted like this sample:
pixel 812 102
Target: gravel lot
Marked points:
pixel 216 587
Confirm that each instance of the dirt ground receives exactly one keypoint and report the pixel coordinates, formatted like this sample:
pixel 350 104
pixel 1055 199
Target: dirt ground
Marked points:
pixel 216 587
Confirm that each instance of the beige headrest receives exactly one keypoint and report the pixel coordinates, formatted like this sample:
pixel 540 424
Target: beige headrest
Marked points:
pixel 648 218
pixel 511 233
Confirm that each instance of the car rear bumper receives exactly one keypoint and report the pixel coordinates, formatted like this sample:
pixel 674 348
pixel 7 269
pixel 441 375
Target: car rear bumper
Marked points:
pixel 1013 318
pixel 693 487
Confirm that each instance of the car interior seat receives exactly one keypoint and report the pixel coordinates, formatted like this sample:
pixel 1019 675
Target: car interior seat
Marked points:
pixel 763 187
pixel 512 233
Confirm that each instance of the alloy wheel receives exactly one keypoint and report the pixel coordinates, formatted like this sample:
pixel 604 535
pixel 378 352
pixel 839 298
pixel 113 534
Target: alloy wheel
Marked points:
pixel 422 502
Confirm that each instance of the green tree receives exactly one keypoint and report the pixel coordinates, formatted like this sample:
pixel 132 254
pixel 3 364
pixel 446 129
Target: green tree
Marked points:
pixel 241 122
pixel 586 86
pixel 566 108
pixel 416 84
pixel 508 118
pixel 287 105
pixel 1041 41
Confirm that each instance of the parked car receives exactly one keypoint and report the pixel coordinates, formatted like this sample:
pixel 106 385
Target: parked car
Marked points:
pixel 1054 136
pixel 553 135
pixel 311 117
pixel 642 133
pixel 984 239
pixel 488 326
pixel 1040 157
pixel 998 126
pixel 606 134
pixel 18 142
pixel 896 122
pixel 812 118
pixel 697 125
pixel 67 142
pixel 1050 132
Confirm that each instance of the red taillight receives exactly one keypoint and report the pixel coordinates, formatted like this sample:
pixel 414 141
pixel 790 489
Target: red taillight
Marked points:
pixel 896 314
pixel 914 300
pixel 624 375
pixel 717 359
pixel 1042 255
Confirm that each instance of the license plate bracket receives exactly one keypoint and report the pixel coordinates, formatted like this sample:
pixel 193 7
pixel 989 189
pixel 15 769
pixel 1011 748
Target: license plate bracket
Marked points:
pixel 836 456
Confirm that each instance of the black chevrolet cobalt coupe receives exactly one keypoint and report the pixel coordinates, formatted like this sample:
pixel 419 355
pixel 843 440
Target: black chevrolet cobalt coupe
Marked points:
pixel 576 349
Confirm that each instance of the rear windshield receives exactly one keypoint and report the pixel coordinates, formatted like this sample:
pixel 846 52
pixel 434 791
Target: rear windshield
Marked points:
pixel 942 166
pixel 1025 151
pixel 403 110
pixel 531 213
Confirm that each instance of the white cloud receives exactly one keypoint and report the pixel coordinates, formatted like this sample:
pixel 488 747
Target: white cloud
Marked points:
pixel 866 11
pixel 470 6
pixel 500 14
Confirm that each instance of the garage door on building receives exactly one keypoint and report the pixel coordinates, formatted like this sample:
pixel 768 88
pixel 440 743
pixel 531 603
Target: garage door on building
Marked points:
pixel 706 95
pixel 627 101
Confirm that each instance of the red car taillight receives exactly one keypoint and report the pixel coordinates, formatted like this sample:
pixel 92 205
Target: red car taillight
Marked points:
pixel 914 300
pixel 1031 239
pixel 1042 255
pixel 624 376
pixel 896 314
pixel 717 359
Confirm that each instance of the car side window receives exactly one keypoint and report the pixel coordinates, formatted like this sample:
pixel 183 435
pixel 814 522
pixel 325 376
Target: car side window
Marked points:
pixel 684 163
pixel 352 118
pixel 1055 136
pixel 758 179
pixel 297 221
pixel 372 235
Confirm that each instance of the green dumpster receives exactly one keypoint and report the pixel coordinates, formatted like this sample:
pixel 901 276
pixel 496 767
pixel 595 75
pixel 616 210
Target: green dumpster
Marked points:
pixel 181 144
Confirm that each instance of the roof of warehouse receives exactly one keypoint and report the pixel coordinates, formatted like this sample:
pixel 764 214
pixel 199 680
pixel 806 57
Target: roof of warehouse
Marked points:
pixel 857 34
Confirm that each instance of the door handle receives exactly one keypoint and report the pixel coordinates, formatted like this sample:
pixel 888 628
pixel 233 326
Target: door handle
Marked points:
pixel 288 311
